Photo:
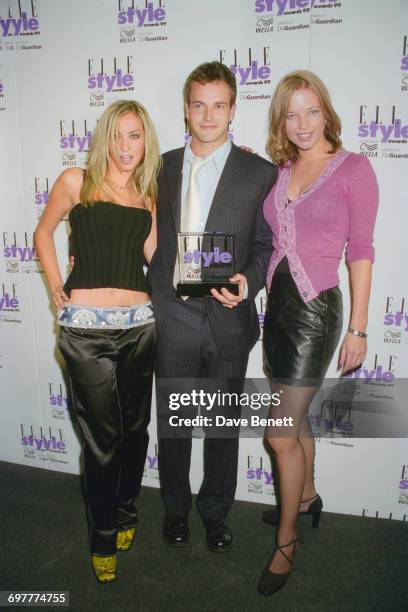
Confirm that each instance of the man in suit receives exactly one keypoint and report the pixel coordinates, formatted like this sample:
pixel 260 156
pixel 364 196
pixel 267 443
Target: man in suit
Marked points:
pixel 207 338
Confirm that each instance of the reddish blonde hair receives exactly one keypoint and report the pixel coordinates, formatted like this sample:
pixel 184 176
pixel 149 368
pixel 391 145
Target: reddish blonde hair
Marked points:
pixel 278 145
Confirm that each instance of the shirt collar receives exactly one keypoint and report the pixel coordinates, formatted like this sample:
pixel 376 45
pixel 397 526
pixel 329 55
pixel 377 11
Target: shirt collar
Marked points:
pixel 218 156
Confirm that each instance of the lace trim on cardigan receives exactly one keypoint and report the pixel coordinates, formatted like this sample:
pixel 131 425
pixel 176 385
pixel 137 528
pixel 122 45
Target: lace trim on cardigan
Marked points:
pixel 287 231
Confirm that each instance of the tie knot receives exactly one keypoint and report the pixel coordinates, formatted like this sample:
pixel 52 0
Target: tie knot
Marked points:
pixel 197 163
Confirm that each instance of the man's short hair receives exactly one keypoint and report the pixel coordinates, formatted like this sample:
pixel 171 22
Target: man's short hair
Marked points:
pixel 208 73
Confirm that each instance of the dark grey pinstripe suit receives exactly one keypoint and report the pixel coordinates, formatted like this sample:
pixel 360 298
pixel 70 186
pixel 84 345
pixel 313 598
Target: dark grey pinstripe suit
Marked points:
pixel 201 338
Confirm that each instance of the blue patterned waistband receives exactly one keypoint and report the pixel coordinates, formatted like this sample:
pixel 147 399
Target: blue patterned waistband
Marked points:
pixel 113 317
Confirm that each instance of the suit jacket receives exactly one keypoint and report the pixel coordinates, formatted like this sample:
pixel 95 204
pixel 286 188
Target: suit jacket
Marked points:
pixel 236 209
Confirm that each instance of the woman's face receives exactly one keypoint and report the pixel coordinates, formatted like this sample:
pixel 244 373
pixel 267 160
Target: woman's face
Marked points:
pixel 130 143
pixel 305 121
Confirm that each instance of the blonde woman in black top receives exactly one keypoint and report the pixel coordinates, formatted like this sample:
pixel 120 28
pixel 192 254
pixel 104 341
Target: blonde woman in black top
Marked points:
pixel 106 318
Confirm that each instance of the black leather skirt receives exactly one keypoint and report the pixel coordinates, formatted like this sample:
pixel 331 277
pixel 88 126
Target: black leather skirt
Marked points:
pixel 300 338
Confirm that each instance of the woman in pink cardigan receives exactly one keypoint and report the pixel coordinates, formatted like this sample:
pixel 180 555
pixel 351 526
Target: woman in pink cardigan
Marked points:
pixel 325 198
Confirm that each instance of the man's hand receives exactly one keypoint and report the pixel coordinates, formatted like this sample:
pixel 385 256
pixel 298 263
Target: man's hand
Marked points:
pixel 228 299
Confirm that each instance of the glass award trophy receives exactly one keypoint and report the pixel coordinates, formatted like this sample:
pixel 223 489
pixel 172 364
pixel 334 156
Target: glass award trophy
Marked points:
pixel 206 261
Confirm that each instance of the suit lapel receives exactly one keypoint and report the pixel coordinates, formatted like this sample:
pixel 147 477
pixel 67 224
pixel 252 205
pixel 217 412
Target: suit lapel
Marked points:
pixel 233 169
pixel 174 174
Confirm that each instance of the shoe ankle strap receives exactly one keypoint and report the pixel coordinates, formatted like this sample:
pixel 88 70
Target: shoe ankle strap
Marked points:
pixel 304 501
pixel 285 546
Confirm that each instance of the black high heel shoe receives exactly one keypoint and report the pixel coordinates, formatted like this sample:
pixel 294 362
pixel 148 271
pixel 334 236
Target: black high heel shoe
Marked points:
pixel 270 582
pixel 272 517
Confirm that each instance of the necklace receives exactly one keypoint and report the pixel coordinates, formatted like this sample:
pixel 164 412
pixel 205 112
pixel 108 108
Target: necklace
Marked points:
pixel 118 186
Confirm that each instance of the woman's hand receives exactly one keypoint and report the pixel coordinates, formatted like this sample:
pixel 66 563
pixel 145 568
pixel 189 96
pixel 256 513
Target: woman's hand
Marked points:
pixel 59 296
pixel 352 352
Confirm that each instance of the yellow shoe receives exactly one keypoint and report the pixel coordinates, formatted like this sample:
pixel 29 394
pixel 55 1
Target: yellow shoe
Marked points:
pixel 124 539
pixel 104 568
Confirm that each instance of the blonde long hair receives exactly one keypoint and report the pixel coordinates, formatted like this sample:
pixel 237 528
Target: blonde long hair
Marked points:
pixel 278 145
pixel 145 174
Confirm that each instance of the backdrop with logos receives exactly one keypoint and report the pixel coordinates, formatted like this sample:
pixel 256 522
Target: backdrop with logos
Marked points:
pixel 62 63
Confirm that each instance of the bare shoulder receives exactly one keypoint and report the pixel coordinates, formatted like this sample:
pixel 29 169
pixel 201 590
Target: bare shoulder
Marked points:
pixel 149 203
pixel 72 178
pixel 69 184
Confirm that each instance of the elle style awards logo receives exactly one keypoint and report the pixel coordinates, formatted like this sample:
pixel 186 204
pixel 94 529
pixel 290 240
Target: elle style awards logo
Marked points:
pixel 396 320
pixel 380 369
pixel 403 486
pixel 371 513
pixel 9 303
pixel 2 94
pixel 383 131
pixel 43 443
pixel 18 253
pixel 377 381
pixel 404 64
pixel 151 469
pixel 58 401
pixel 261 304
pixel 289 15
pixel 19 25
pixel 259 477
pixel 252 69
pixel 145 20
pixel 331 419
pixel 109 79
pixel 74 141
pixel 41 194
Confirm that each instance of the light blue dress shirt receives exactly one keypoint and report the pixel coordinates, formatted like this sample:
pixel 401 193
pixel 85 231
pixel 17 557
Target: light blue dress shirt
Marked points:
pixel 207 177
pixel 207 180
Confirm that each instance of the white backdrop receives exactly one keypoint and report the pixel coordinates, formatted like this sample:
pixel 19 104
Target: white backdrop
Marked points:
pixel 50 98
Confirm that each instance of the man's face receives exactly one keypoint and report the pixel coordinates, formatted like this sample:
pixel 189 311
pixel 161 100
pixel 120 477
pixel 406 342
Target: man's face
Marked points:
pixel 209 113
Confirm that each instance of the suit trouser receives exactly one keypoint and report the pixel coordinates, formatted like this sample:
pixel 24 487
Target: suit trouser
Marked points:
pixel 111 382
pixel 186 352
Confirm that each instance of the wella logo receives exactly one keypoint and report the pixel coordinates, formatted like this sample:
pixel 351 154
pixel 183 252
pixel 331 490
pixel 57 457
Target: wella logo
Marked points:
pixel 21 20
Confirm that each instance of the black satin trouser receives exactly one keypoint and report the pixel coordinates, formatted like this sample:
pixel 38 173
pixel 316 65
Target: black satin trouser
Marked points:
pixel 111 383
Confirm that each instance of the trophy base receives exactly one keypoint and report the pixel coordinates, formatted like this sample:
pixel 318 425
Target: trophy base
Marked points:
pixel 203 288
